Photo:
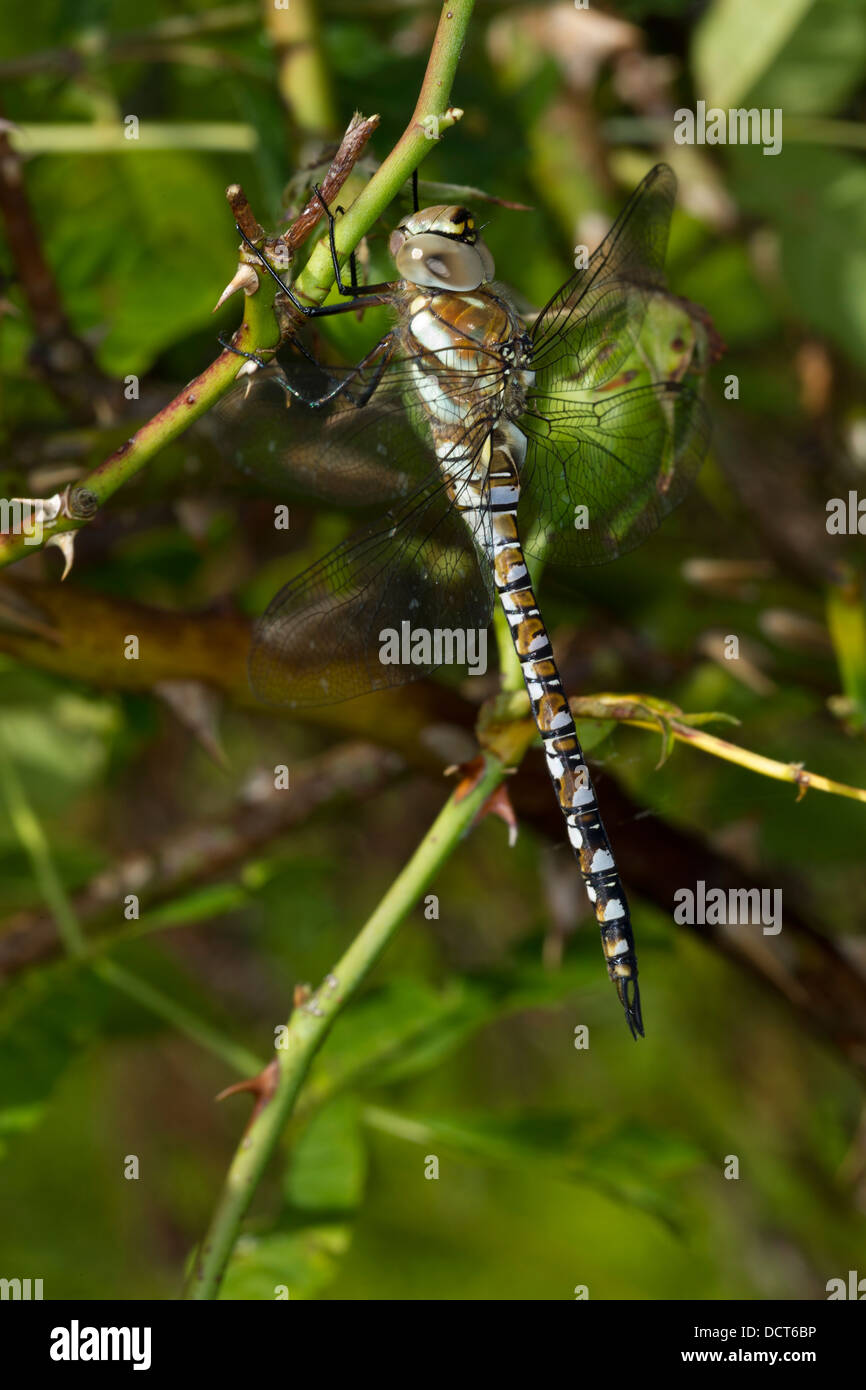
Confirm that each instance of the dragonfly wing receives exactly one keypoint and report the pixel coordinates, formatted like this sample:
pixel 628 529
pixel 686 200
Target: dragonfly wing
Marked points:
pixel 601 476
pixel 366 616
pixel 264 428
pixel 385 607
pixel 590 325
pixel 615 423
pixel 369 444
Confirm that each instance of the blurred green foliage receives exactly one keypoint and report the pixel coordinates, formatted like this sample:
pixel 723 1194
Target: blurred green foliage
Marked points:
pixel 558 1167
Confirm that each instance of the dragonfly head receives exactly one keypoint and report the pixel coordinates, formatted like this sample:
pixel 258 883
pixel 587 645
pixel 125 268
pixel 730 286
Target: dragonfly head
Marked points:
pixel 440 248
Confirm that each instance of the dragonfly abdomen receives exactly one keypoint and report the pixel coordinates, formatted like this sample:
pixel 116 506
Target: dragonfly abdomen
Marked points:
pixel 550 708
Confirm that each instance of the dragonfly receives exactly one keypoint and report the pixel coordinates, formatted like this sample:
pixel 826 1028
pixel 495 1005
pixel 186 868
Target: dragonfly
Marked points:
pixel 479 439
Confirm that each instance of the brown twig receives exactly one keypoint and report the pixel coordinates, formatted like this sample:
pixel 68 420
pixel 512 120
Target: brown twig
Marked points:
pixel 358 133
pixel 191 856
pixel 62 360
pixel 88 636
pixel 806 968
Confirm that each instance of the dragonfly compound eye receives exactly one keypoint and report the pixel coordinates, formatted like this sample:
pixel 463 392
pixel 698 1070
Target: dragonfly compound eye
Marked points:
pixel 438 262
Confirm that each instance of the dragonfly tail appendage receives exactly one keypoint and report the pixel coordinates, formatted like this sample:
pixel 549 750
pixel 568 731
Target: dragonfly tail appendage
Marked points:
pixel 629 996
pixel 565 761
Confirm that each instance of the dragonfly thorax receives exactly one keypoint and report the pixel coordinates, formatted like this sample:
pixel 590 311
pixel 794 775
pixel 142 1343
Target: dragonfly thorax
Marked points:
pixel 439 248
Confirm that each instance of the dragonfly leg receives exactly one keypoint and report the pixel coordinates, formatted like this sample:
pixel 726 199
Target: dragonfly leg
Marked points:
pixel 386 347
pixel 253 357
pixel 239 352
pixel 341 288
pixel 318 311
pixel 354 290
pixel 353 265
pixel 260 256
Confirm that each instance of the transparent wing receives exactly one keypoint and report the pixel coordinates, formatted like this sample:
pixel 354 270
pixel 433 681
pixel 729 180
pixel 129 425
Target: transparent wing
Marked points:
pixel 602 476
pixel 591 324
pixel 615 424
pixel 369 444
pixel 406 593
pixel 387 606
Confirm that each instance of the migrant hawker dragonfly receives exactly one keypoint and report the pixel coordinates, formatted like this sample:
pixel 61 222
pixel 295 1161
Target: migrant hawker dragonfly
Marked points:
pixel 470 429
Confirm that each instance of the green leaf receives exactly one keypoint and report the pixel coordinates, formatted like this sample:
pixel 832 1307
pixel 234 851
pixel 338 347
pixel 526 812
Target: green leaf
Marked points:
pixel 846 620
pixel 593 732
pixel 816 198
pixel 736 42
pixel 594 1151
pixel 407 1028
pixel 151 278
pixel 597 1152
pixel 821 66
pixel 302 1262
pixel 48 1019
pixel 328 1164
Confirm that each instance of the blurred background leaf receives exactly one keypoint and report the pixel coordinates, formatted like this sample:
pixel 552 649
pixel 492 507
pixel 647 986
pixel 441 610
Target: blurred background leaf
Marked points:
pixel 559 1164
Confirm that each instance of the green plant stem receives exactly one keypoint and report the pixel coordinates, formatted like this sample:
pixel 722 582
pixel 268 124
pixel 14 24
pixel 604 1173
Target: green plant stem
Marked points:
pixel 433 114
pixel 311 1021
pixel 846 620
pixel 240 1059
pixel 33 840
pixel 27 827
pixel 304 81
pixel 33 138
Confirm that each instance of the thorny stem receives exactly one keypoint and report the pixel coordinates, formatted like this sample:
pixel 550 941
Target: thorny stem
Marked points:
pixel 432 115
pixel 626 711
pixel 258 332
pixel 311 1021
pixel 639 712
